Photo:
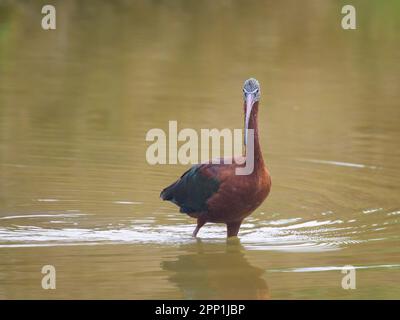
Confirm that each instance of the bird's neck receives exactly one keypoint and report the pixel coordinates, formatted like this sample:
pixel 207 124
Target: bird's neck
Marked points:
pixel 253 124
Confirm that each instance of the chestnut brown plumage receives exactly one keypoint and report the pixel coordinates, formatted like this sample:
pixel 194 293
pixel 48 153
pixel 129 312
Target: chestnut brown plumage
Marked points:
pixel 213 192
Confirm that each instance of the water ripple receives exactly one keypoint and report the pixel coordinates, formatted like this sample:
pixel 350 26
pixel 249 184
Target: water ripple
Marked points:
pixel 297 237
pixel 339 163
pixel 273 234
pixel 335 268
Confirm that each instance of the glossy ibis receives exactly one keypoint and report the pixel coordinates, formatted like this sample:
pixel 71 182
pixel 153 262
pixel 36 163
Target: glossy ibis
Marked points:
pixel 213 192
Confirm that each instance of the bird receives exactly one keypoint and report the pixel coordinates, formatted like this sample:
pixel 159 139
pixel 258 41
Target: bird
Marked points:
pixel 213 191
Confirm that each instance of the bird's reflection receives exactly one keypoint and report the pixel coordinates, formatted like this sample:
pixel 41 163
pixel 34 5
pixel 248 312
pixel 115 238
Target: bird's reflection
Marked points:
pixel 216 271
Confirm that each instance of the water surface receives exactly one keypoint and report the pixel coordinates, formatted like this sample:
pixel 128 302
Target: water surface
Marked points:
pixel 76 191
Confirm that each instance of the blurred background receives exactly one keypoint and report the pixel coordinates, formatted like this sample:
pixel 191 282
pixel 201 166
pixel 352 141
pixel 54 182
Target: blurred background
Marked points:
pixel 76 191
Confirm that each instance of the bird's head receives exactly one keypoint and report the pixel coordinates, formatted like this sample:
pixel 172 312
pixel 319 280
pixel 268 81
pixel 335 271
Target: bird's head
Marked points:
pixel 251 88
pixel 251 95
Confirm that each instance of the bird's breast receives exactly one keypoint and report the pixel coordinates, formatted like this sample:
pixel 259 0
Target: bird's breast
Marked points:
pixel 238 196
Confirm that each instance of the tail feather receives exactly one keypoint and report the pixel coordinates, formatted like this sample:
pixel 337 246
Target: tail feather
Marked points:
pixel 167 193
pixel 191 191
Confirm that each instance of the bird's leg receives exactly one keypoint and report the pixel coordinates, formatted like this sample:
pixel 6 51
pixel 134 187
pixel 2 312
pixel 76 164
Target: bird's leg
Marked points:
pixel 233 228
pixel 200 223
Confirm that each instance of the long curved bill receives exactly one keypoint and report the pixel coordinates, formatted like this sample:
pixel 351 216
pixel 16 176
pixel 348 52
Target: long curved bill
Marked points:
pixel 249 106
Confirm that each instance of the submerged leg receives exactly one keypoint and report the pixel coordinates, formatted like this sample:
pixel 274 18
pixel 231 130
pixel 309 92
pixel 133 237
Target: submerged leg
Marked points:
pixel 233 228
pixel 200 223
